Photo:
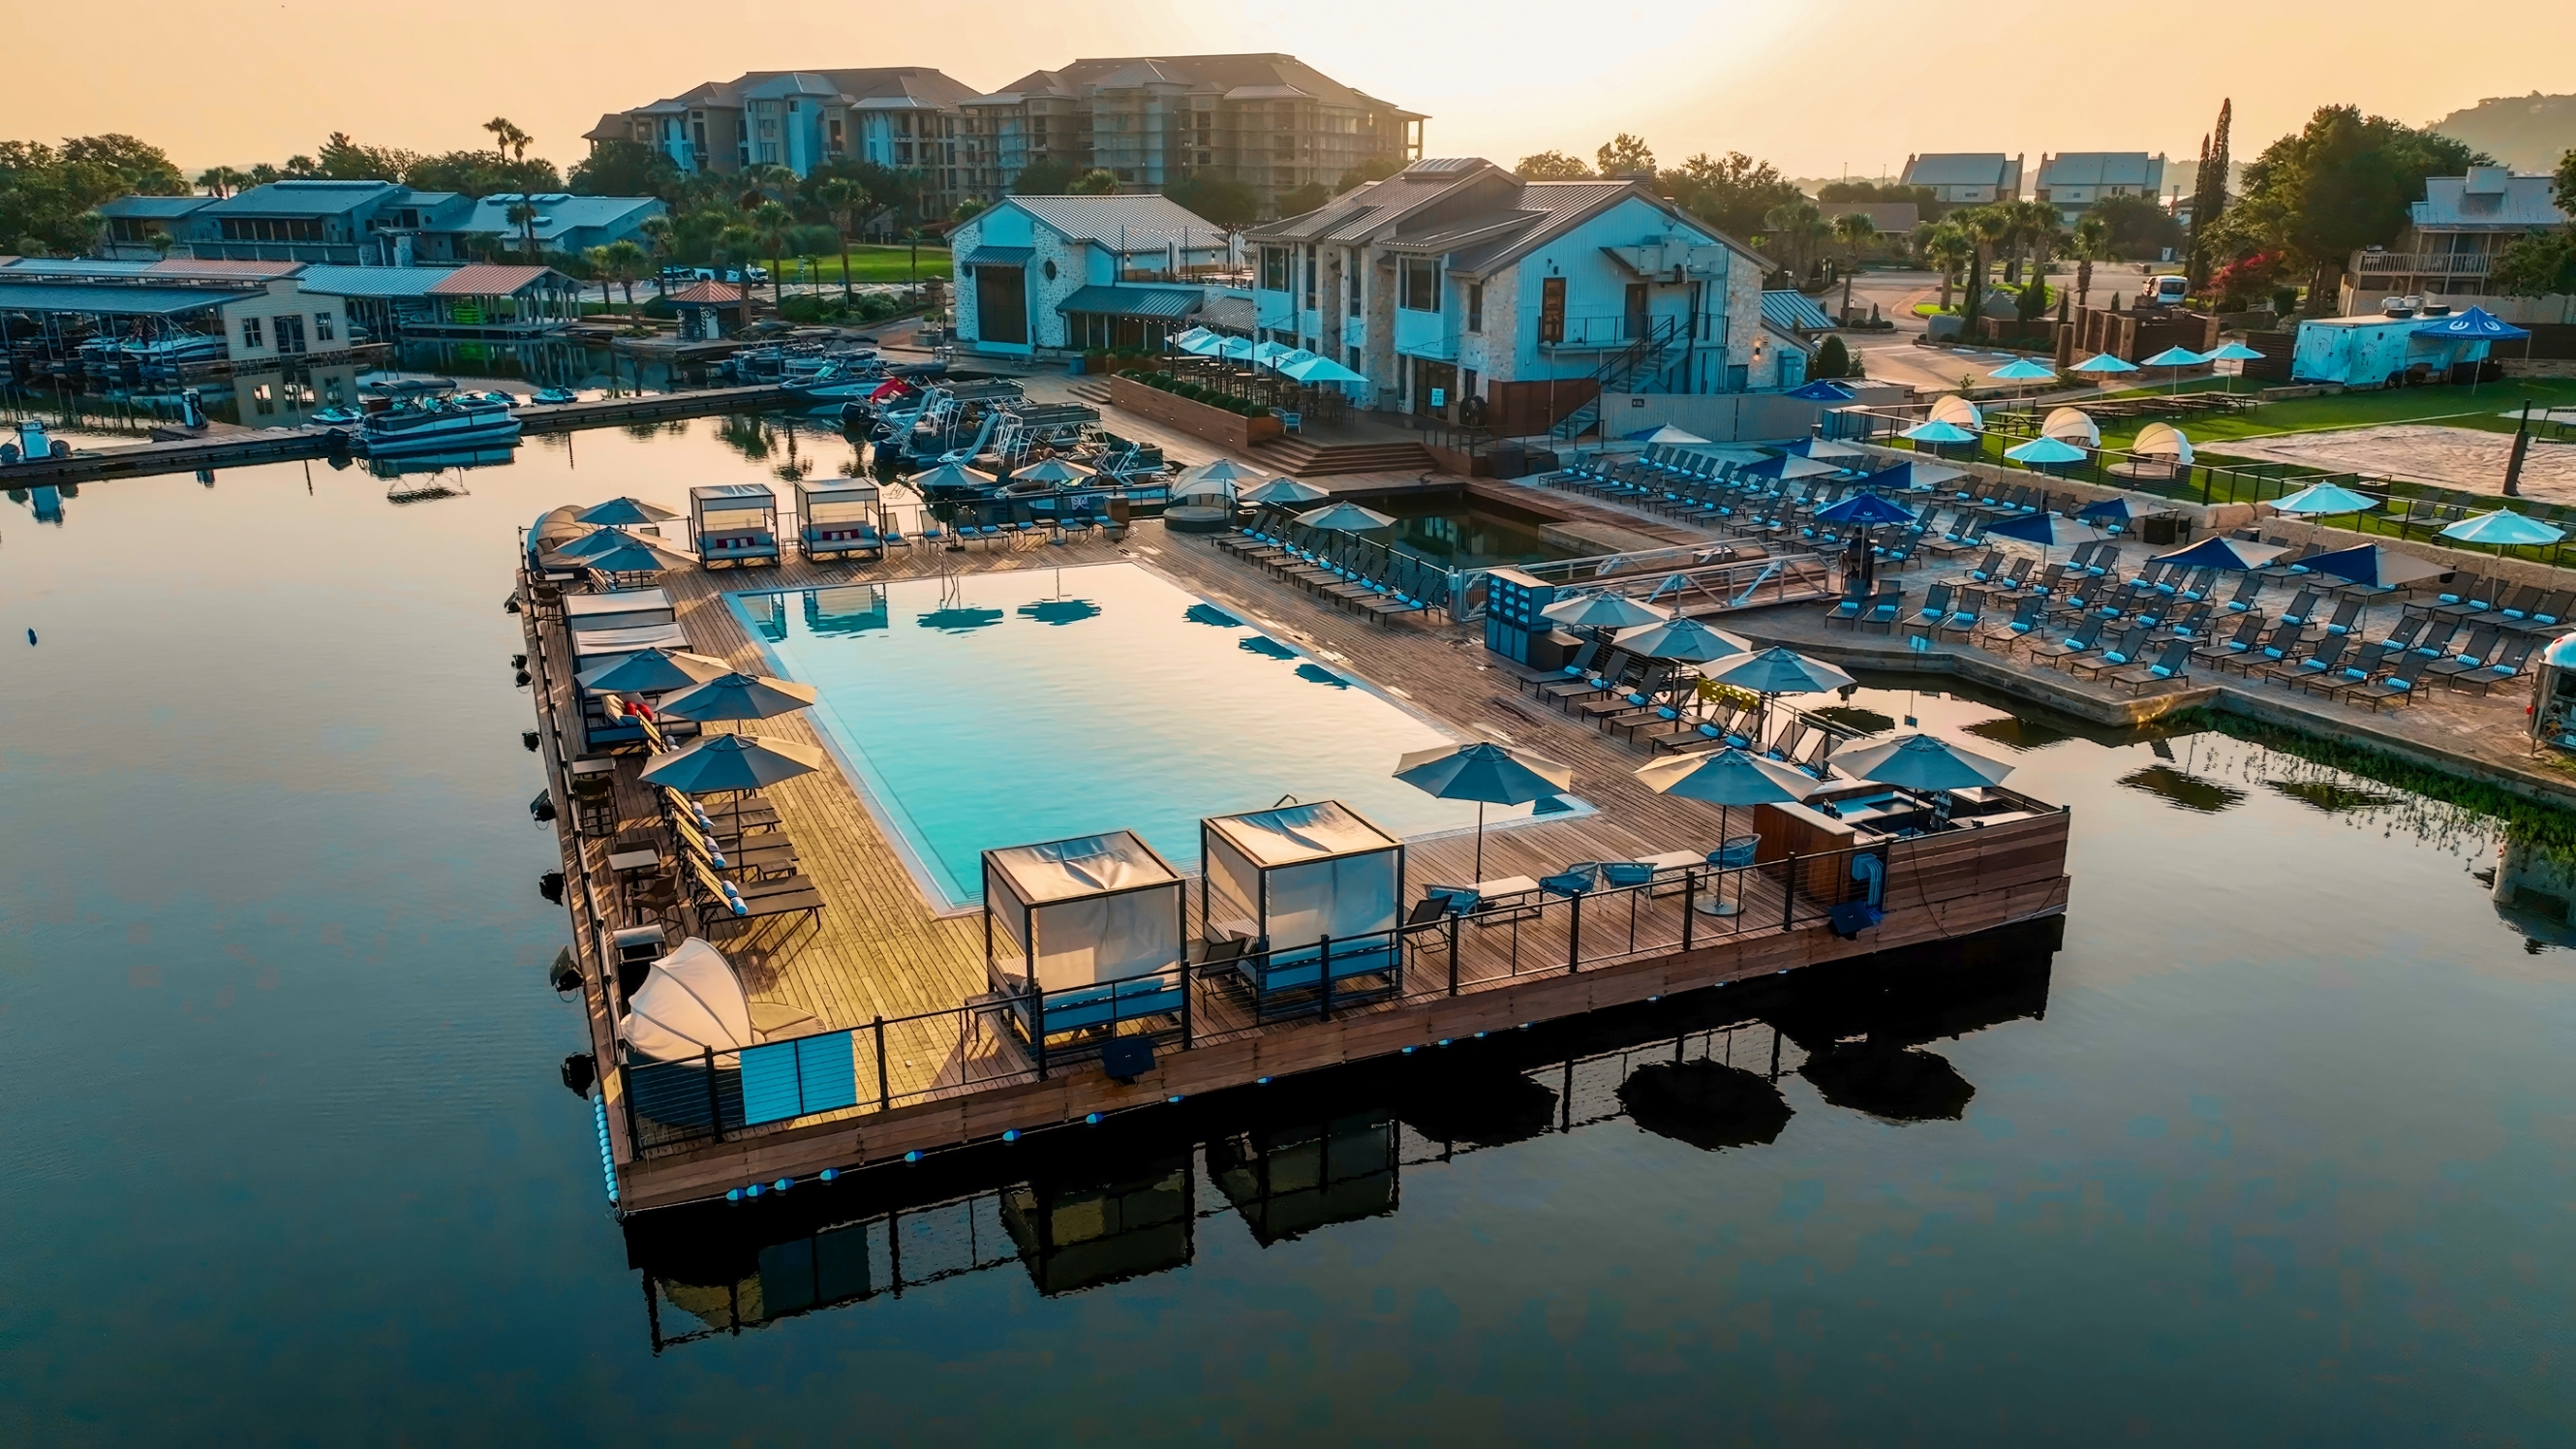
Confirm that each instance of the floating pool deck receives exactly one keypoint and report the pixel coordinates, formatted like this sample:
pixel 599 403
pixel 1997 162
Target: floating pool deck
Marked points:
pixel 946 1075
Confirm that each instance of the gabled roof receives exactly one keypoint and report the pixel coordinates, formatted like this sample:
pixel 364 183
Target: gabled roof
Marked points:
pixel 1140 223
pixel 557 213
pixel 303 198
pixel 1377 208
pixel 1400 214
pixel 2523 205
pixel 110 299
pixel 1787 311
pixel 493 281
pixel 1958 168
pixel 1269 76
pixel 791 83
pixel 876 87
pixel 219 270
pixel 715 294
pixel 612 126
pixel 2102 168
pixel 154 206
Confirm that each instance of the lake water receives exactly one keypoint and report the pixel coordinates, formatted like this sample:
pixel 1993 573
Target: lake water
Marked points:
pixel 2276 1147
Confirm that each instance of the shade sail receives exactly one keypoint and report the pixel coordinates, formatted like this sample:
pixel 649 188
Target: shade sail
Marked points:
pixel 1079 912
pixel 1602 611
pixel 2373 566
pixel 1687 641
pixel 2103 364
pixel 1727 777
pixel 1781 670
pixel 652 671
pixel 2218 552
pixel 2044 451
pixel 1286 491
pixel 739 696
pixel 1921 762
pixel 2048 530
pixel 2324 498
pixel 2475 324
pixel 1938 432
pixel 2072 425
pixel 690 1003
pixel 2504 528
pixel 623 511
pixel 731 762
pixel 1866 509
pixel 1346 518
pixel 1296 874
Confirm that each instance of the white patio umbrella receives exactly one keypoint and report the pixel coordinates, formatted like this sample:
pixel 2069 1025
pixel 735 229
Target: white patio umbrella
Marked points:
pixel 1487 773
pixel 1727 778
pixel 720 763
pixel 1220 470
pixel 690 1003
pixel 2324 500
pixel 1603 611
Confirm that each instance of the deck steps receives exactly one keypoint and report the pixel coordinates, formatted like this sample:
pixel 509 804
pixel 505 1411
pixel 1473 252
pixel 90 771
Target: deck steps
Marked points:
pixel 1301 457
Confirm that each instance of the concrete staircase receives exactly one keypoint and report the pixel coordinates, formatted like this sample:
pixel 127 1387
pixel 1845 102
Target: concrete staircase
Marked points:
pixel 1302 458
pixel 1093 390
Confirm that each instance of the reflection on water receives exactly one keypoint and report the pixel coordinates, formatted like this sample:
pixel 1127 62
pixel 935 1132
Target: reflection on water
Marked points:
pixel 2185 790
pixel 1083 1208
pixel 1457 532
pixel 2018 733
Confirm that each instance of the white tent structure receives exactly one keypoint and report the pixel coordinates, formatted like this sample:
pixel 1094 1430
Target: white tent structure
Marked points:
pixel 1958 412
pixel 690 1003
pixel 1072 921
pixel 2072 425
pixel 2162 440
pixel 1304 879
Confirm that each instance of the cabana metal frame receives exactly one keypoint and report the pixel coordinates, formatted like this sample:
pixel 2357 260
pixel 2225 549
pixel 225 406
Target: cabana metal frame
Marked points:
pixel 1316 891
pixel 734 523
pixel 837 517
pixel 1085 935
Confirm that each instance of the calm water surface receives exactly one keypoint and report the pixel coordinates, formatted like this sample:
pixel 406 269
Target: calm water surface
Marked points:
pixel 2277 1148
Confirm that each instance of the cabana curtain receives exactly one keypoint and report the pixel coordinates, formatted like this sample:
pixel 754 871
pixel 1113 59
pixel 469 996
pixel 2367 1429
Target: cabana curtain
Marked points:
pixel 1076 903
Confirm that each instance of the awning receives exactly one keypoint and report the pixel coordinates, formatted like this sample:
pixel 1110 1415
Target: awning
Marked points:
pixel 997 257
pixel 1167 303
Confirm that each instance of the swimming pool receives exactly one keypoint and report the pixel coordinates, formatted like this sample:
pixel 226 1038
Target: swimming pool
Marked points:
pixel 1003 709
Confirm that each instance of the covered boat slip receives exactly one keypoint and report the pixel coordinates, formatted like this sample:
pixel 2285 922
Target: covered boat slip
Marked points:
pixel 898 1060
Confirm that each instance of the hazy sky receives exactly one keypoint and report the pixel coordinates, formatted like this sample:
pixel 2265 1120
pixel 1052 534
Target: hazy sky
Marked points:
pixel 1812 85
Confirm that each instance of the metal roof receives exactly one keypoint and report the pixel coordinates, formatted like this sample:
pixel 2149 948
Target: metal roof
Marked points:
pixel 1958 168
pixel 334 280
pixel 1794 312
pixel 984 256
pixel 153 206
pixel 2523 204
pixel 714 491
pixel 1143 223
pixel 303 198
pixel 2102 168
pixel 1166 302
pixel 556 213
pixel 168 270
pixel 712 294
pixel 493 281
pixel 1555 207
pixel 110 300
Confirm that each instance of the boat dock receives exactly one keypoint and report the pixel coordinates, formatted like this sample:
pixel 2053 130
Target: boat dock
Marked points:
pixel 879 1003
pixel 232 447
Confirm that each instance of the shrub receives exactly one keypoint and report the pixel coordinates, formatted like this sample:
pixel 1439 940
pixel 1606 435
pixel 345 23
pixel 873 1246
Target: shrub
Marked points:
pixel 1832 359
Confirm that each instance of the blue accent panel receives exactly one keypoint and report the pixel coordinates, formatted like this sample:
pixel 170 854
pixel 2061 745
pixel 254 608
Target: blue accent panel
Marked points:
pixel 792 1078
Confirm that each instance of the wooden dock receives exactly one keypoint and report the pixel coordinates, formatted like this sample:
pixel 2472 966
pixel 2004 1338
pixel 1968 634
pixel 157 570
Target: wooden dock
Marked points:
pixel 892 972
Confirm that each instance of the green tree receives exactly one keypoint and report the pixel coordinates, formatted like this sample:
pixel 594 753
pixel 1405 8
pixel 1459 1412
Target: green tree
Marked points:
pixel 1375 168
pixel 1796 227
pixel 1233 205
pixel 842 197
pixel 659 234
pixel 626 168
pixel 2543 263
pixel 1098 181
pixel 343 159
pixel 523 215
pixel 1832 359
pixel 509 138
pixel 124 163
pixel 772 225
pixel 2340 183
pixel 1990 228
pixel 1303 199
pixel 1854 230
pixel 1948 247
pixel 625 262
pixel 220 181
pixel 1046 176
pixel 1732 193
pixel 1552 166
pixel 2090 243
pixel 2140 229
pixel 1624 155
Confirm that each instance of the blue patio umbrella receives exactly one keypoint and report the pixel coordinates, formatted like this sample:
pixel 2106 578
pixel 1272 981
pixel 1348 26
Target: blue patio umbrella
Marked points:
pixel 1685 640
pixel 1287 490
pixel 2372 566
pixel 1866 509
pixel 1666 434
pixel 1346 518
pixel 2044 452
pixel 1487 773
pixel 2325 499
pixel 1198 341
pixel 2022 370
pixel 739 696
pixel 597 541
pixel 2176 358
pixel 1913 477
pixel 1318 371
pixel 1785 467
pixel 652 671
pixel 1236 348
pixel 2121 510
pixel 2103 365
pixel 2474 324
pixel 1603 610
pixel 720 763
pixel 622 511
pixel 1938 433
pixel 2505 529
pixel 2233 352
pixel 633 555
pixel 1921 762
pixel 1727 778
pixel 2221 552
pixel 1781 670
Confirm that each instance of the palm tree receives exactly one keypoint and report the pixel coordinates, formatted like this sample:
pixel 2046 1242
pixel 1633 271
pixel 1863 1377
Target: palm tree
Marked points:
pixel 1989 227
pixel 509 138
pixel 627 263
pixel 842 197
pixel 523 214
pixel 2036 233
pixel 2092 243
pixel 1854 230
pixel 1799 226
pixel 1946 245
pixel 220 181
pixel 771 223
pixel 658 232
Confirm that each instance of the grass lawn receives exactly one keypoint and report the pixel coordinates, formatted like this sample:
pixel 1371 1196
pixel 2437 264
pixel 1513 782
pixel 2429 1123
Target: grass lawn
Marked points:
pixel 874 264
pixel 2445 406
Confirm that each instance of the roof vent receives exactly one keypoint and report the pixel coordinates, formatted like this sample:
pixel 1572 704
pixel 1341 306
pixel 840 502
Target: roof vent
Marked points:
pixel 2486 180
pixel 2395 307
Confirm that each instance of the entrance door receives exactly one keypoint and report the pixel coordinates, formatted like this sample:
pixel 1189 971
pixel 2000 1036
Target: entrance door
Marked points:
pixel 1636 310
pixel 1002 304
pixel 290 332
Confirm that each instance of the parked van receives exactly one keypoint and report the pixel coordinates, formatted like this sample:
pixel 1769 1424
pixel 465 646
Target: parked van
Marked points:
pixel 2164 291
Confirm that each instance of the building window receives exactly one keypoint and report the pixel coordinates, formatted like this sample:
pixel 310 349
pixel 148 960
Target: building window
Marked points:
pixel 1310 277
pixel 1475 306
pixel 321 326
pixel 251 333
pixel 1420 290
pixel 1274 269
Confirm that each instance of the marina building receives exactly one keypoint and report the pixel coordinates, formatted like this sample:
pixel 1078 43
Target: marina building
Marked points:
pixel 1082 272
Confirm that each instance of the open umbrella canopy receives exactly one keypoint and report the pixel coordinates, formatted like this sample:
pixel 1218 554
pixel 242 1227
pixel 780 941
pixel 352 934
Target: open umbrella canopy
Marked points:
pixel 2121 509
pixel 731 762
pixel 1866 509
pixel 1727 777
pixel 1921 762
pixel 633 555
pixel 2042 452
pixel 2103 364
pixel 1050 470
pixel 2232 352
pixel 1666 434
pixel 1781 670
pixel 2048 530
pixel 1824 389
pixel 2325 498
pixel 1938 432
pixel 1813 447
pixel 949 475
pixel 1603 611
pixel 1237 348
pixel 1484 771
pixel 624 511
pixel 1346 518
pixel 2175 357
pixel 1197 340
pixel 2474 323
pixel 1786 467
pixel 652 671
pixel 1318 371
pixel 1687 641
pixel 689 1003
pixel 1220 470
pixel 2221 552
pixel 2022 370
pixel 598 541
pixel 2503 528
pixel 1286 490
pixel 739 696
pixel 1912 477
pixel 2373 566
pixel 2072 425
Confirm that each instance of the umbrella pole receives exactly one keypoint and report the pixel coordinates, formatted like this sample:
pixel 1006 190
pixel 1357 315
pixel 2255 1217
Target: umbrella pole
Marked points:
pixel 1480 840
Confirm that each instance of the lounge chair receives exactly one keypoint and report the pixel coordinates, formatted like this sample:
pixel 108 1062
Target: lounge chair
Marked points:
pixel 2503 665
pixel 2120 655
pixel 2249 631
pixel 2170 667
pixel 2323 658
pixel 2277 647
pixel 2352 674
pixel 2396 687
pixel 2247 591
pixel 2548 616
pixel 1883 609
pixel 2087 634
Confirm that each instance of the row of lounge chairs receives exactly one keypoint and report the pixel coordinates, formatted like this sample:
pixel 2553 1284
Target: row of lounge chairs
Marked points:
pixel 1337 567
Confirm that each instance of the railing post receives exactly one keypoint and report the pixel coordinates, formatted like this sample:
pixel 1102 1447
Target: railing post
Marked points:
pixel 1574 933
pixel 885 1093
pixel 1690 902
pixel 1789 894
pixel 715 1113
pixel 626 1090
pixel 1324 972
pixel 1453 953
pixel 1185 999
pixel 1037 1026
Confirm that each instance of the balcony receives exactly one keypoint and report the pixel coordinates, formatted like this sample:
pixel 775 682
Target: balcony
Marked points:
pixel 1425 334
pixel 2422 264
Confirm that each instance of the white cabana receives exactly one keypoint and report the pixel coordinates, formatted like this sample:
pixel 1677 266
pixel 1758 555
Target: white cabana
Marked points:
pixel 2072 425
pixel 1074 918
pixel 838 516
pixel 690 1003
pixel 1293 876
pixel 1958 412
pixel 2164 441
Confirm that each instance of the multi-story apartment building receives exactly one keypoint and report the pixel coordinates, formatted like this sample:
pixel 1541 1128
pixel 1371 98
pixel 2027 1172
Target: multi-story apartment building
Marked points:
pixel 2072 181
pixel 1270 122
pixel 906 117
pixel 1965 177
pixel 2452 237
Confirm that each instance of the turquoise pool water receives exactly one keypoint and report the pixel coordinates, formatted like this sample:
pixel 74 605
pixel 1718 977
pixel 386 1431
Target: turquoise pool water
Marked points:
pixel 1002 709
